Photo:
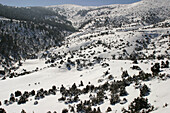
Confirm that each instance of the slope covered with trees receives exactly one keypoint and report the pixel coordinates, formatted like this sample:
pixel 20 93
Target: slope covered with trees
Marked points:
pixel 26 31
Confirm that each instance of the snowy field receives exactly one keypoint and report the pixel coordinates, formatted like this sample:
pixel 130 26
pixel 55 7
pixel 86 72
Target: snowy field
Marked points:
pixel 97 60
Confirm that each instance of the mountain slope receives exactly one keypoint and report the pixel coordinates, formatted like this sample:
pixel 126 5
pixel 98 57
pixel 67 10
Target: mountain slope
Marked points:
pixel 115 15
pixel 102 67
pixel 26 31
pixel 93 59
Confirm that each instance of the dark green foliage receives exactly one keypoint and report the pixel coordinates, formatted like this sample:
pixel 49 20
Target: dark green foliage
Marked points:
pixel 123 101
pixel 81 83
pixel 25 39
pixel 18 93
pixel 62 89
pixel 76 98
pixel 144 90
pixel 36 14
pixel 72 109
pixel 36 29
pixel 97 101
pixel 108 109
pixel 156 68
pixel 151 17
pixel 105 86
pixel 64 111
pixel 22 100
pixel 36 102
pixel 144 76
pixel 54 87
pixel 114 99
pixel 23 111
pixel 125 74
pixel 135 61
pixel 62 99
pixel 160 57
pixel 12 99
pixel 123 91
pixel 74 86
pixel 100 97
pixel 137 105
pixel 136 67
pixel 68 66
pixel 2 72
pixel 165 64
pixel 98 110
pixel 110 77
pixel 2 110
pixel 6 102
pixel 32 93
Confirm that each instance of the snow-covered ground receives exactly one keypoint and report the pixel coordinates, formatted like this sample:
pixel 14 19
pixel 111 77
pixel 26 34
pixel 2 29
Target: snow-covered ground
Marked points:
pixel 93 56
pixel 52 76
pixel 135 12
pixel 48 75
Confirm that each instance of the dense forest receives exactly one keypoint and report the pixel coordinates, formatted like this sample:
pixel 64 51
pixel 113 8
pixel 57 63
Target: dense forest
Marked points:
pixel 26 31
pixel 37 15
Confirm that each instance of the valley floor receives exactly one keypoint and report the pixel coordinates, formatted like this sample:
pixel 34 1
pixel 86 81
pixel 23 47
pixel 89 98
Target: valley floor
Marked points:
pixel 53 76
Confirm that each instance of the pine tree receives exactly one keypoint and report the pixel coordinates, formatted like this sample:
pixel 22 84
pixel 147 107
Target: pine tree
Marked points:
pixel 114 99
pixel 23 111
pixel 2 110
pixel 108 109
pixel 144 90
pixel 156 68
pixel 123 91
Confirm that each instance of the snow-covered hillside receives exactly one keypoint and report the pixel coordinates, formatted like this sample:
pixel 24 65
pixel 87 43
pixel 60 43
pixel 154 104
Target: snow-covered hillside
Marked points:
pixel 100 68
pixel 143 12
pixel 98 59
